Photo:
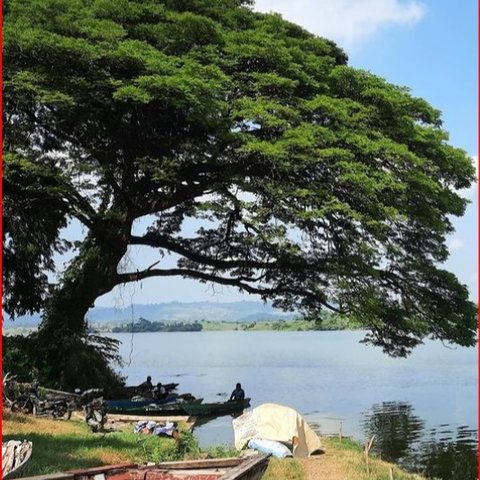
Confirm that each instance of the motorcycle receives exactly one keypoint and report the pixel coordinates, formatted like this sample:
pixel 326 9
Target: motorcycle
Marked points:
pixel 94 408
pixel 9 387
pixel 31 403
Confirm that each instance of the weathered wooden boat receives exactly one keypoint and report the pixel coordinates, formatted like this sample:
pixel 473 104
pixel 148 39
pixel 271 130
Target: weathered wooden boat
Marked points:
pixel 168 409
pixel 15 455
pixel 250 468
pixel 131 390
pixel 119 406
pixel 170 386
pixel 216 408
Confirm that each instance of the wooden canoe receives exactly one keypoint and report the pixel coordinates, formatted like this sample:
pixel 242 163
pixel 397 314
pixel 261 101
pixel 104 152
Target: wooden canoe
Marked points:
pixel 15 455
pixel 249 468
pixel 119 406
pixel 169 409
pixel 217 408
pixel 130 390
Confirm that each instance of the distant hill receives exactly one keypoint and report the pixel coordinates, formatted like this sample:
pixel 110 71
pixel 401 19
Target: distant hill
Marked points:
pixel 245 311
pixel 266 317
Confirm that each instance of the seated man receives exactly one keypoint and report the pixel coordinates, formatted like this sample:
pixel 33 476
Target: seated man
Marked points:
pixel 159 392
pixel 146 386
pixel 238 393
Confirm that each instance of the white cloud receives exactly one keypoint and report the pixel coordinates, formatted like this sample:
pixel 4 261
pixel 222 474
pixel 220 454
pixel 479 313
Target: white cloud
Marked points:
pixel 455 244
pixel 347 22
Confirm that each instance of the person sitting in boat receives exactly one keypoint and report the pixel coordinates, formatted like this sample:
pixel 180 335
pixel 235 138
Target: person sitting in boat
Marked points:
pixel 159 392
pixel 238 394
pixel 146 386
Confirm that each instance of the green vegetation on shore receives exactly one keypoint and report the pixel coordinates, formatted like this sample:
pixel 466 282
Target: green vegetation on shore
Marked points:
pixel 60 445
pixel 297 324
pixel 64 445
pixel 348 457
pixel 328 322
pixel 143 325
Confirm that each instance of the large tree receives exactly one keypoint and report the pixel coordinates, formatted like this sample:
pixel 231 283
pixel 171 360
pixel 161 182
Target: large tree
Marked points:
pixel 317 185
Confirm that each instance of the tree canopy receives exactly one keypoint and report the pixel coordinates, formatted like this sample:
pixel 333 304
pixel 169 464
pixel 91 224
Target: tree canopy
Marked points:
pixel 317 185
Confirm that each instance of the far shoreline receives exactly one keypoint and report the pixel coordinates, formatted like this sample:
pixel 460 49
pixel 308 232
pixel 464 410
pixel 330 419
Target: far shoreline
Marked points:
pixel 296 325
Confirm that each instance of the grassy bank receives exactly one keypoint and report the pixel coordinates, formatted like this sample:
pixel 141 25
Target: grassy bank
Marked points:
pixel 346 460
pixel 60 445
pixel 340 461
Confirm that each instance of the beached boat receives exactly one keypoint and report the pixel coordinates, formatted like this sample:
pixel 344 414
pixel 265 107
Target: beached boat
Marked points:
pixel 152 409
pixel 250 468
pixel 15 455
pixel 216 408
pixel 119 406
pixel 131 390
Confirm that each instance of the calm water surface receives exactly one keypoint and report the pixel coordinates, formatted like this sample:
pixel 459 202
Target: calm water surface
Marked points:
pixel 423 409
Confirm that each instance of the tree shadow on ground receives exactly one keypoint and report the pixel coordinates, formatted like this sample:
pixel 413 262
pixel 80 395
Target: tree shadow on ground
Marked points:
pixel 66 452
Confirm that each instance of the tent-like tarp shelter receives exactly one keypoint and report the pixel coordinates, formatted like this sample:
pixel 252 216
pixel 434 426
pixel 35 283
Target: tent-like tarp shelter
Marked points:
pixel 276 422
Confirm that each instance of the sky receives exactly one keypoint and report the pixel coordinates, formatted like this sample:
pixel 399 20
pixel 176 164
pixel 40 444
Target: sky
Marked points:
pixel 429 46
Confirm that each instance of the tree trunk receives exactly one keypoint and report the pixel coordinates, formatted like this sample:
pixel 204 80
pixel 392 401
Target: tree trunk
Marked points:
pixel 66 357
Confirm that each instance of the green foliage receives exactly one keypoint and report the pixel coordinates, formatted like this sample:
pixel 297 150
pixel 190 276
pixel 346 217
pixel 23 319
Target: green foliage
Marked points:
pixel 280 325
pixel 18 357
pixel 222 451
pixel 80 362
pixel 317 185
pixel 144 325
pixel 32 210
pixel 154 449
pixel 187 447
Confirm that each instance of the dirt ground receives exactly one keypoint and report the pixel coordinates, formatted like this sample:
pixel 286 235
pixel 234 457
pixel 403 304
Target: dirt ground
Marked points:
pixel 322 467
pixel 345 464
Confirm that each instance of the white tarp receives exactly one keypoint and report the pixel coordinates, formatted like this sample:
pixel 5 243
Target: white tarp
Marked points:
pixel 276 422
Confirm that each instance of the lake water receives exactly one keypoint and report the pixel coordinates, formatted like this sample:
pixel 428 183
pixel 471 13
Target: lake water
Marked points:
pixel 423 409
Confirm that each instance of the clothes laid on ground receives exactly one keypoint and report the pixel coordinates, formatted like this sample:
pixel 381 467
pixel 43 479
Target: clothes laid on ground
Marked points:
pixel 149 426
